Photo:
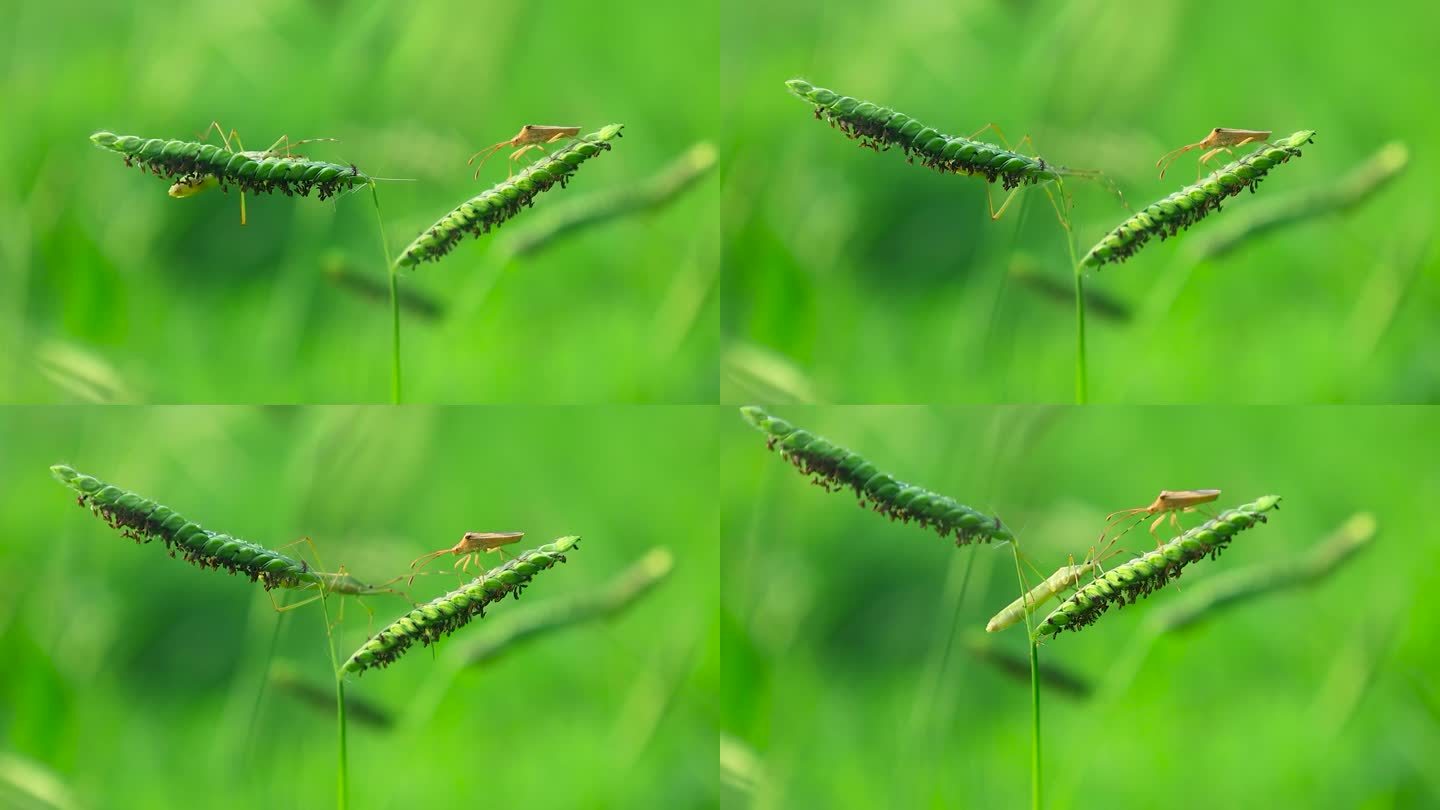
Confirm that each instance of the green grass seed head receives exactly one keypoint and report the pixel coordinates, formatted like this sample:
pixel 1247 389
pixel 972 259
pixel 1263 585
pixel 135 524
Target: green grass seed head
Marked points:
pixel 493 207
pixel 248 171
pixel 880 128
pixel 1178 211
pixel 833 468
pixel 445 614
pixel 144 520
pixel 1128 582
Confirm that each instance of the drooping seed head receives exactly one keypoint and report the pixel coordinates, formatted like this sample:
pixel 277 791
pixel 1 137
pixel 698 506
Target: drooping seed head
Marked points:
pixel 1124 584
pixel 491 208
pixel 444 615
pixel 833 467
pixel 879 128
pixel 1178 211
pixel 144 520
pixel 255 172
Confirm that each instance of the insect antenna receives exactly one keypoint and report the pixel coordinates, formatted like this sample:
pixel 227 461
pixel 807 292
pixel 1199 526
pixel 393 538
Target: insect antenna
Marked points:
pixel 1097 175
pixel 1172 156
pixel 1116 518
pixel 487 153
pixel 426 558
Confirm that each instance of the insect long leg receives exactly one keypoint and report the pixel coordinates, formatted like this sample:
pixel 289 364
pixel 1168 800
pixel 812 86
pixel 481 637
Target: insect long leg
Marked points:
pixel 1174 517
pixel 518 153
pixel 290 145
pixel 224 139
pixel 236 136
pixel 996 129
pixel 301 603
pixel 231 143
pixel 995 215
pixel 1059 210
pixel 1059 207
pixel 1205 158
pixel 1036 571
pixel 287 608
pixel 314 550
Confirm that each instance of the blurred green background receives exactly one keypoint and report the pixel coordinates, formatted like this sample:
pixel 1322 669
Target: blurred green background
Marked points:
pixel 112 291
pixel 133 680
pixel 849 678
pixel 853 277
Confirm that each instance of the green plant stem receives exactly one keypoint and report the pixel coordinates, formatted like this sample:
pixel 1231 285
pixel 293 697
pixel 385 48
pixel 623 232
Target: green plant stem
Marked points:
pixel 1034 691
pixel 342 798
pixel 1081 381
pixel 1080 377
pixel 394 302
pixel 1034 726
pixel 342 788
pixel 394 338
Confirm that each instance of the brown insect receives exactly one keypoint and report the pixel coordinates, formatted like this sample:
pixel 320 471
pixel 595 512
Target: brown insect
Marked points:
pixel 470 547
pixel 531 136
pixel 1168 504
pixel 1219 140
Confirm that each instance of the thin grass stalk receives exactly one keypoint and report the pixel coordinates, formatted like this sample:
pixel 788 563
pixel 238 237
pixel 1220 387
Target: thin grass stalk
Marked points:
pixel 1082 382
pixel 252 727
pixel 1034 688
pixel 1034 725
pixel 342 786
pixel 954 624
pixel 394 301
pixel 833 468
